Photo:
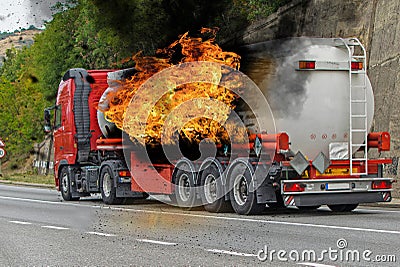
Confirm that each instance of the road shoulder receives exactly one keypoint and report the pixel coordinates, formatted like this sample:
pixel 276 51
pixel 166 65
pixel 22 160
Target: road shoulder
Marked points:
pixel 28 184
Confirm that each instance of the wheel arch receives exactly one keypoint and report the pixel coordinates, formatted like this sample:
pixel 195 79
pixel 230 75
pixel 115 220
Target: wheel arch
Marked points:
pixel 207 162
pixel 179 163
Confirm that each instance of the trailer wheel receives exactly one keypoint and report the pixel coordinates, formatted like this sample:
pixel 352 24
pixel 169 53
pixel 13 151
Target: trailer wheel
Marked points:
pixel 212 191
pixel 242 199
pixel 107 188
pixel 343 207
pixel 185 190
pixel 65 185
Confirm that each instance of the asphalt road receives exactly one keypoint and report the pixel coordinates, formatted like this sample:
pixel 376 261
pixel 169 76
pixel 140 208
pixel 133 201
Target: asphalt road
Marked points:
pixel 38 229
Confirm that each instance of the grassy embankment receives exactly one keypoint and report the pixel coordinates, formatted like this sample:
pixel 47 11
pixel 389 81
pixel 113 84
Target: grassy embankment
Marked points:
pixel 28 178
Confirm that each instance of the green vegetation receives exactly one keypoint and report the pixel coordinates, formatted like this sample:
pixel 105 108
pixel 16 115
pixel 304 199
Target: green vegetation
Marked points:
pixel 21 106
pixel 96 34
pixel 29 178
pixel 257 9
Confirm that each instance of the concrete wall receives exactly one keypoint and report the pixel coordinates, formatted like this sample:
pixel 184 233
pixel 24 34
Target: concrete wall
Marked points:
pixel 43 161
pixel 376 23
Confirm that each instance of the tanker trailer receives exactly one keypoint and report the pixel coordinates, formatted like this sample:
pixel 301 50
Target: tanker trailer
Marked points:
pixel 321 99
pixel 321 96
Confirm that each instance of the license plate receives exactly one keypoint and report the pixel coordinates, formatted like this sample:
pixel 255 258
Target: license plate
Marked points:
pixel 337 186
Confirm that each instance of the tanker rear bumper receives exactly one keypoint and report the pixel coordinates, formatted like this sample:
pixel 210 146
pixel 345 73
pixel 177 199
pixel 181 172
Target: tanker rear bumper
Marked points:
pixel 315 192
pixel 336 198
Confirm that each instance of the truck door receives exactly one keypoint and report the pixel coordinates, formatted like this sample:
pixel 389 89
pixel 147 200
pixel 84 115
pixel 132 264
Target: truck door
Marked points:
pixel 64 143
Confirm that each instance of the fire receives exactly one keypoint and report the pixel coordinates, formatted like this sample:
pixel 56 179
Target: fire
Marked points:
pixel 195 128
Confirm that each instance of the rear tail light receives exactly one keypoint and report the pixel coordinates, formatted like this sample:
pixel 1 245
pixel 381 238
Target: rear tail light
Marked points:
pixel 356 65
pixel 381 185
pixel 307 65
pixel 293 187
pixel 124 174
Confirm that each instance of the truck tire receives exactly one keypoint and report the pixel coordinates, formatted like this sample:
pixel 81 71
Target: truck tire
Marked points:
pixel 185 190
pixel 343 207
pixel 243 201
pixel 107 188
pixel 65 185
pixel 212 190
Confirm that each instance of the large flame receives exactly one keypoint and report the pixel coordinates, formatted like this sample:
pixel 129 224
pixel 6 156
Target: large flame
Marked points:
pixel 196 129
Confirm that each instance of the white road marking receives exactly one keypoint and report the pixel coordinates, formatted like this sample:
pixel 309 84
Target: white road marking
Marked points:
pixel 262 221
pixel 379 211
pixel 315 264
pixel 20 222
pixel 363 209
pixel 220 251
pixel 100 234
pixel 54 227
pixel 157 242
pixel 48 202
pixel 370 230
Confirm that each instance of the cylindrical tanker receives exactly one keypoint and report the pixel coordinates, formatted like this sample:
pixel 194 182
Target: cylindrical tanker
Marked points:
pixel 114 79
pixel 312 106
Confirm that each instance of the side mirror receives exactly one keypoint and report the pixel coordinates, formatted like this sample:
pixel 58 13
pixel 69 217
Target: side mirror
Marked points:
pixel 47 121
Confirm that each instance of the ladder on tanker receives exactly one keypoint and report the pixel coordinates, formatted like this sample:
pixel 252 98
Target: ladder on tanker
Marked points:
pixel 358 113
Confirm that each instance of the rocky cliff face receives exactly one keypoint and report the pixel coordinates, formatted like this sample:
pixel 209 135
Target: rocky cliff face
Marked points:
pixel 384 71
pixel 376 23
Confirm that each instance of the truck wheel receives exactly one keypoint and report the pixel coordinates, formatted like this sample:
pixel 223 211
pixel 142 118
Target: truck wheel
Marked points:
pixel 243 201
pixel 65 185
pixel 185 191
pixel 212 191
pixel 107 188
pixel 343 207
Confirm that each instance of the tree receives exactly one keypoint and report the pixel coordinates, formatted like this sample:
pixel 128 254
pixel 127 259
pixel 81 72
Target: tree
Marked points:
pixel 21 106
pixel 97 34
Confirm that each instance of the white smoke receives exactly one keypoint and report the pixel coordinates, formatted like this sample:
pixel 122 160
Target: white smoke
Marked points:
pixel 41 11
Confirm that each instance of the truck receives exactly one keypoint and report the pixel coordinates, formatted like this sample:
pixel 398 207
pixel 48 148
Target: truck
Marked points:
pixel 329 127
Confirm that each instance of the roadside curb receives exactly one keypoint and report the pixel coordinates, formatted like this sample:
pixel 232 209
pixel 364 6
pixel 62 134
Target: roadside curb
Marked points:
pixel 395 204
pixel 48 186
